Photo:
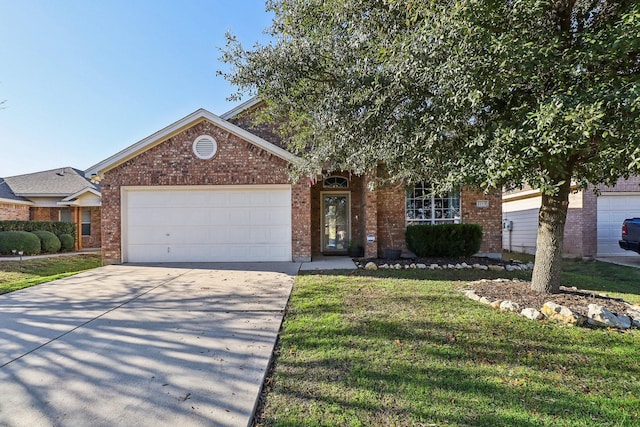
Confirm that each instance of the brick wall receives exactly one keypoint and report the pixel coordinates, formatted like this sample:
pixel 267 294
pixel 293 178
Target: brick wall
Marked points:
pixel 172 162
pixel 94 240
pixel 489 218
pixel 623 185
pixel 13 212
pixel 45 214
pixel 391 219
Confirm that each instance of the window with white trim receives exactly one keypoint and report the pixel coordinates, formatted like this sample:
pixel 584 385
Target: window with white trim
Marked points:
pixel 424 207
pixel 86 222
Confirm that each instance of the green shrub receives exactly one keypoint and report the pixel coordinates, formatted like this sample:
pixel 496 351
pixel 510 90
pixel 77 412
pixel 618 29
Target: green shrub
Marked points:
pixel 20 241
pixel 446 240
pixel 56 227
pixel 67 242
pixel 49 242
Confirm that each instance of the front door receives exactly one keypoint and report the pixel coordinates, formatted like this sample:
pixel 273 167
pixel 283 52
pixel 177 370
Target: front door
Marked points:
pixel 336 229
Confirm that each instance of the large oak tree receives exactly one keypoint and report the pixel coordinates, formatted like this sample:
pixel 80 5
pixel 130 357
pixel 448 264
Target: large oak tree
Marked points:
pixel 542 93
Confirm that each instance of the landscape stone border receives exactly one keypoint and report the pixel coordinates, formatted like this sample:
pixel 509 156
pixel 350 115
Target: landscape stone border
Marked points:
pixel 597 316
pixel 371 265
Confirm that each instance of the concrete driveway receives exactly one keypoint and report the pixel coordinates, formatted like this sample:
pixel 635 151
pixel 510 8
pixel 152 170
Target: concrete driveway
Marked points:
pixel 184 345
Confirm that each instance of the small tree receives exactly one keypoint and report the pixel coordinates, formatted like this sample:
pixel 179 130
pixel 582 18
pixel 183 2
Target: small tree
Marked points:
pixel 544 93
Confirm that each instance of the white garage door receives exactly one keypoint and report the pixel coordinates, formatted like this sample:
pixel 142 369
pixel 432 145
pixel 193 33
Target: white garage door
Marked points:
pixel 612 210
pixel 206 223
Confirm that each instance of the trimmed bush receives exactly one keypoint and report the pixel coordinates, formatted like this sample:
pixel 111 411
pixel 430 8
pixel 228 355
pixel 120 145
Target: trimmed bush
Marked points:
pixel 56 227
pixel 67 242
pixel 445 240
pixel 49 242
pixel 19 240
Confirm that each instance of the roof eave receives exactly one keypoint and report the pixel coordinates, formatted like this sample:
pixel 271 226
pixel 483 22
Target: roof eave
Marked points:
pixel 241 108
pixel 16 202
pixel 173 129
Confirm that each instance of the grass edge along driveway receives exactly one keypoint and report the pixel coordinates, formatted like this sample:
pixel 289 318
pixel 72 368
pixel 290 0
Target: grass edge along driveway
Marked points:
pixel 16 275
pixel 405 348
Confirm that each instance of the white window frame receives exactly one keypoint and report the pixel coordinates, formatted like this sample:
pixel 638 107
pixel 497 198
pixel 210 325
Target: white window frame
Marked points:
pixel 434 213
pixel 83 222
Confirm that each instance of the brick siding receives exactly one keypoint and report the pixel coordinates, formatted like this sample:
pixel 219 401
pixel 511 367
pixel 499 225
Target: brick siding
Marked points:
pixel 94 240
pixel 172 162
pixel 13 212
pixel 490 218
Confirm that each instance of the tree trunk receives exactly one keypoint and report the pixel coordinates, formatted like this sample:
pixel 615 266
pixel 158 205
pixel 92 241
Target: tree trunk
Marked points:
pixel 549 246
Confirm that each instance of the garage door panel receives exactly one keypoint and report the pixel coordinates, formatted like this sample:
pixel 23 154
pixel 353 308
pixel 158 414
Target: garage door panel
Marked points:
pixel 182 225
pixel 612 211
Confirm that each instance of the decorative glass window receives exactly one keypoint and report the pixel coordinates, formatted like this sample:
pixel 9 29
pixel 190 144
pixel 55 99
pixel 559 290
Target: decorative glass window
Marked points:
pixel 336 182
pixel 86 222
pixel 424 207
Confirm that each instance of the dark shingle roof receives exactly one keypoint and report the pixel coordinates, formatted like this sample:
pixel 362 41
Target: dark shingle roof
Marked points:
pixel 6 193
pixel 56 182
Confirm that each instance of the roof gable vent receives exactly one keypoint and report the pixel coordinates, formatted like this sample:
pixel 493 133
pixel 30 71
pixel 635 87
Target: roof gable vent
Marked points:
pixel 205 147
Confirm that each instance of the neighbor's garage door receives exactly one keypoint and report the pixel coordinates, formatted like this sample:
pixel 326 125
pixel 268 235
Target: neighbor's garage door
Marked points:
pixel 612 210
pixel 205 224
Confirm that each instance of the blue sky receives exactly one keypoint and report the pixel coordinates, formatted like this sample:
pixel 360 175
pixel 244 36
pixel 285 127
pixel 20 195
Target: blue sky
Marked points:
pixel 84 79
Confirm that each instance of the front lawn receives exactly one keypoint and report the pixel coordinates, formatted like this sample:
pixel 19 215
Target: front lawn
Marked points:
pixel 16 275
pixel 405 348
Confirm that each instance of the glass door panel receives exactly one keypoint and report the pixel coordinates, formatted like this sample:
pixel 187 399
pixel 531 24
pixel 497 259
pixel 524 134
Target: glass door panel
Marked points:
pixel 335 222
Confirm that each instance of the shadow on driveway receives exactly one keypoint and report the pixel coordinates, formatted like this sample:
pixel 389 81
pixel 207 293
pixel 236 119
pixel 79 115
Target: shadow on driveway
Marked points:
pixel 184 345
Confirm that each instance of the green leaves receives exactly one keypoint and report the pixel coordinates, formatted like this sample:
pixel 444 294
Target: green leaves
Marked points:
pixel 467 92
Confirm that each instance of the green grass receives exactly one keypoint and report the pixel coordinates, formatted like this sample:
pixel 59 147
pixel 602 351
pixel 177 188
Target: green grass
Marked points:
pixel 404 348
pixel 16 275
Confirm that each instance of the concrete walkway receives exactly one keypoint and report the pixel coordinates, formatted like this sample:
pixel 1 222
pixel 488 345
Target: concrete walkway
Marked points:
pixel 329 263
pixel 629 261
pixel 184 345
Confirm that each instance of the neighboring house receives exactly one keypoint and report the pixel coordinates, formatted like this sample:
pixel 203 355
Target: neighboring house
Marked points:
pixel 210 188
pixel 593 225
pixel 62 194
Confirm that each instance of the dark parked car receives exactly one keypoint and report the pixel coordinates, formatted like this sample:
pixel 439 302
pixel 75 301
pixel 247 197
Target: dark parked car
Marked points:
pixel 630 235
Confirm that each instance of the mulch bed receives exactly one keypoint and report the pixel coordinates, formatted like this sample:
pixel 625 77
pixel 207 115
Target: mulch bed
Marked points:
pixel 520 292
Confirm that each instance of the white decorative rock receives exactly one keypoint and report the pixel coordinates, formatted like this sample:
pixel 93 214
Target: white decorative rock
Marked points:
pixel 397 266
pixel 531 313
pixel 485 300
pixel 561 314
pixel 472 295
pixel 421 266
pixel 412 266
pixel 509 306
pixel 384 266
pixel 459 267
pixel 434 266
pixel 371 266
pixel 600 316
pixel 493 267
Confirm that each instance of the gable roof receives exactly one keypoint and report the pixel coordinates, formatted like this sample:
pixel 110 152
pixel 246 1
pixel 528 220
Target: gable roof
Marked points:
pixel 240 108
pixel 60 182
pixel 7 195
pixel 173 129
